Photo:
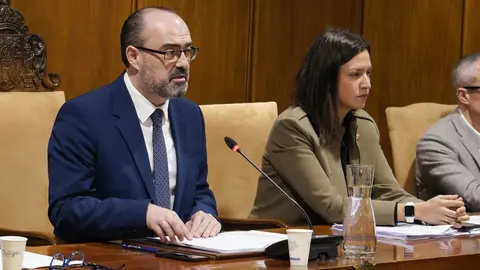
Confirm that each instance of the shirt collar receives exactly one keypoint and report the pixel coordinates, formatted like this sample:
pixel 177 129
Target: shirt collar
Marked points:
pixel 143 107
pixel 468 124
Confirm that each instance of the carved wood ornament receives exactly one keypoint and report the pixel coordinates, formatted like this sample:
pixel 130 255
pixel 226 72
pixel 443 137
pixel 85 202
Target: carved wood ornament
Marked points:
pixel 22 55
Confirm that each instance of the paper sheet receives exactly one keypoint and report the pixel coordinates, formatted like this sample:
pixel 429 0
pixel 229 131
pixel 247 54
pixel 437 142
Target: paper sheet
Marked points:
pixel 474 219
pixel 408 232
pixel 34 260
pixel 235 241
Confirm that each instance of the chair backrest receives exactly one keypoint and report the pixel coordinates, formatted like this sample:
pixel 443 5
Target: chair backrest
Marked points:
pixel 232 179
pixel 405 126
pixel 28 107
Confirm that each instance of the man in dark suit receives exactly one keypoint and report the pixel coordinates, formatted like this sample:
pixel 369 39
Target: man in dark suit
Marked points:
pixel 129 159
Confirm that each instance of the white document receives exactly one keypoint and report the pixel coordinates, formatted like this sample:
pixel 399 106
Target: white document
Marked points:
pixel 34 260
pixel 474 220
pixel 407 232
pixel 234 241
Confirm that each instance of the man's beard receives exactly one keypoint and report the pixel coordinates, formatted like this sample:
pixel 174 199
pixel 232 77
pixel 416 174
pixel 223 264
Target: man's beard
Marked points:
pixel 165 88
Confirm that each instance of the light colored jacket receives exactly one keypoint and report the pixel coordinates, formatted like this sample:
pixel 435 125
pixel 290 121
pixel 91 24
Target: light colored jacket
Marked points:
pixel 448 158
pixel 313 174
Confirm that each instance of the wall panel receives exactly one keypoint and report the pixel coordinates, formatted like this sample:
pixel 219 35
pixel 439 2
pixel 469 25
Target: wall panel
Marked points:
pixel 471 27
pixel 415 45
pixel 283 32
pixel 221 29
pixel 82 39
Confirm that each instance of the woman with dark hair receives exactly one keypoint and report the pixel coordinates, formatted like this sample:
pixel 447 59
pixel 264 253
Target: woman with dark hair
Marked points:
pixel 325 129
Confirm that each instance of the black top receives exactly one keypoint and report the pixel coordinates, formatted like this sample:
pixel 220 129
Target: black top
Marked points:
pixel 347 142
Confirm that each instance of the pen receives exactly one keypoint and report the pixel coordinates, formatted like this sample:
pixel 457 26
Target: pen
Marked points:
pixel 147 249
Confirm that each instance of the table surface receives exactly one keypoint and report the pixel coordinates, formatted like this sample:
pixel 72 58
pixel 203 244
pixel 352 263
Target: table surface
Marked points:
pixel 446 253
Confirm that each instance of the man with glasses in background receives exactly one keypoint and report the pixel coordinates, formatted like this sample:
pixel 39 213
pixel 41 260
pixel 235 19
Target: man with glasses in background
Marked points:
pixel 129 160
pixel 448 154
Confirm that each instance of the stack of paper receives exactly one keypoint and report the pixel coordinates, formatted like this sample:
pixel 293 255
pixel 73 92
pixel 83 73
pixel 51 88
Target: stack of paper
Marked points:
pixel 408 232
pixel 474 220
pixel 234 241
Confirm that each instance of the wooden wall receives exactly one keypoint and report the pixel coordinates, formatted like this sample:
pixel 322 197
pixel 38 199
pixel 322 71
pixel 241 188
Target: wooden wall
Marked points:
pixel 82 39
pixel 415 45
pixel 283 32
pixel 250 50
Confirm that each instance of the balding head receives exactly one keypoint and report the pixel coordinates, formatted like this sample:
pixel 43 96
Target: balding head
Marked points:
pixel 161 28
pixel 143 23
pixel 467 72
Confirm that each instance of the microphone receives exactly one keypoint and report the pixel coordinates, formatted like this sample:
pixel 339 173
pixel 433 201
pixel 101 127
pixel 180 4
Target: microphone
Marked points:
pixel 232 144
pixel 321 246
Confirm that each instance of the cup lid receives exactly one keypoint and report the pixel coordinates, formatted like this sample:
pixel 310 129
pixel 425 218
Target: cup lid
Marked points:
pixel 13 238
pixel 299 231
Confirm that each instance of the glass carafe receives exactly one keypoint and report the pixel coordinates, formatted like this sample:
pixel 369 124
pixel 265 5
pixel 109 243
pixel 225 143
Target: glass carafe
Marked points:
pixel 359 232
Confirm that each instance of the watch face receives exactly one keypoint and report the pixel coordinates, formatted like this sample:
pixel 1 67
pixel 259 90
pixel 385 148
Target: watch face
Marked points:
pixel 409 211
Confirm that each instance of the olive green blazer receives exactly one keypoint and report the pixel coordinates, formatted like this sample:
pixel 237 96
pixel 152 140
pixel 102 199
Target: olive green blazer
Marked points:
pixel 313 174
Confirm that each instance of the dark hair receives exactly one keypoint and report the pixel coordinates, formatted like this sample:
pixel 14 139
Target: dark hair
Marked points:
pixel 132 29
pixel 316 87
pixel 460 74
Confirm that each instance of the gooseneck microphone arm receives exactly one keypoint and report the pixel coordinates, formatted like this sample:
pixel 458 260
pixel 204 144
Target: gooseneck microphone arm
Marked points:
pixel 234 147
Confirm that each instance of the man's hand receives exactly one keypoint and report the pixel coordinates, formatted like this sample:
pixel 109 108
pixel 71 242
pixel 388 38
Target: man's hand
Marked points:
pixel 203 225
pixel 462 217
pixel 165 222
pixel 443 209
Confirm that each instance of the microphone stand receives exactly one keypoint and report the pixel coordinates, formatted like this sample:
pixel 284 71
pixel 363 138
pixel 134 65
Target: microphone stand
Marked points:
pixel 321 246
pixel 305 215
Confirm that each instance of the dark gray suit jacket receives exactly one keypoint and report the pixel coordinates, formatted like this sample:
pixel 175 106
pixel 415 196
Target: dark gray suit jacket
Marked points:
pixel 448 158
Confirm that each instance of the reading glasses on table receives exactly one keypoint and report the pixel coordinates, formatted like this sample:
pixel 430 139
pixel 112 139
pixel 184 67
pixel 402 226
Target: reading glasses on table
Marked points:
pixel 76 259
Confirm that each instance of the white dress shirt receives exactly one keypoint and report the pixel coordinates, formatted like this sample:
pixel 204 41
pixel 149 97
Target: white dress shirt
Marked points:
pixel 468 124
pixel 144 110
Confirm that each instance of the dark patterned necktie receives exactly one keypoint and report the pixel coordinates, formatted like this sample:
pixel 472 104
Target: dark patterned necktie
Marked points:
pixel 160 162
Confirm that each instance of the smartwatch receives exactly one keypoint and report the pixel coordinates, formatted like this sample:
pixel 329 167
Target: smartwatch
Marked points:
pixel 409 212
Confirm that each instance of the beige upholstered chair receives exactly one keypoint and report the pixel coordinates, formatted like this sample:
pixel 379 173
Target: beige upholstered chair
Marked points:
pixel 233 179
pixel 405 126
pixel 28 107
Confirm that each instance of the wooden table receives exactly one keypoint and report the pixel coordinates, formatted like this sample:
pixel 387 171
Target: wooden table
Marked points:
pixel 448 253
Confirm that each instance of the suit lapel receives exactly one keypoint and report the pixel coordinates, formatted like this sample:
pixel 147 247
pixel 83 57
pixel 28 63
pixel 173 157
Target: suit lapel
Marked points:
pixel 469 138
pixel 327 160
pixel 128 124
pixel 323 159
pixel 179 138
pixel 330 161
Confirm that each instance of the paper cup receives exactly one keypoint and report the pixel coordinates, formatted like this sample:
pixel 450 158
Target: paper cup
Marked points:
pixel 13 248
pixel 299 245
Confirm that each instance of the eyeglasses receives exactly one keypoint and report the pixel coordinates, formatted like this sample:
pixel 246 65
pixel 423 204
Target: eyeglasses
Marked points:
pixel 471 87
pixel 171 55
pixel 75 260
